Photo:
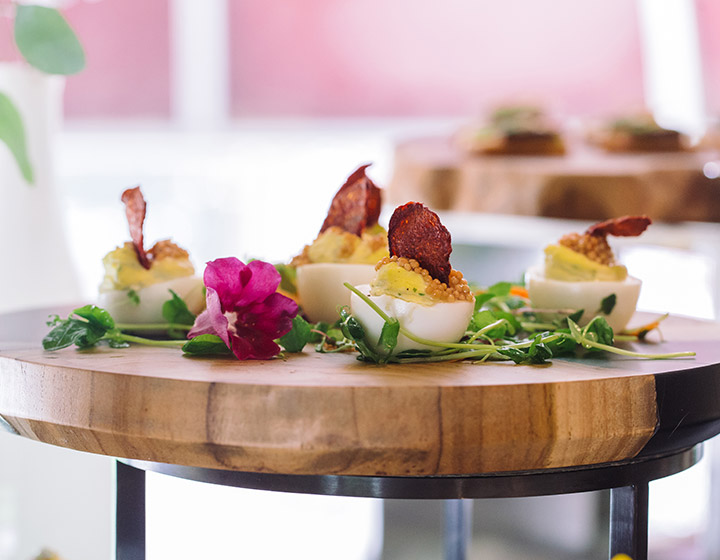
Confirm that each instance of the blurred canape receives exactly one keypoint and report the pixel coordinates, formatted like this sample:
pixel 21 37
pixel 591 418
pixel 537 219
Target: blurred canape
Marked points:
pixel 637 133
pixel 514 130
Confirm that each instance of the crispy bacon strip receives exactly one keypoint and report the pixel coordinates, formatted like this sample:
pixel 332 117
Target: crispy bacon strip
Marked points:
pixel 626 226
pixel 356 205
pixel 415 232
pixel 135 212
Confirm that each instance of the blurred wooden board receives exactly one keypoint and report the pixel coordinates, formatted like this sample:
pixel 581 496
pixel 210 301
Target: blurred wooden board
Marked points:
pixel 586 183
pixel 331 414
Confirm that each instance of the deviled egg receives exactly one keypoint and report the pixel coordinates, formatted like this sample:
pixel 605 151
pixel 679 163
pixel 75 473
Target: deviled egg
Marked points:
pixel 424 306
pixel 137 282
pixel 580 272
pixel 347 248
pixel 416 284
pixel 134 294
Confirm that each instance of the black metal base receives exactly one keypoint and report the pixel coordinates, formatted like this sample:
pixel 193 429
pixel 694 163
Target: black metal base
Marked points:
pixel 629 520
pixel 129 512
pixel 627 481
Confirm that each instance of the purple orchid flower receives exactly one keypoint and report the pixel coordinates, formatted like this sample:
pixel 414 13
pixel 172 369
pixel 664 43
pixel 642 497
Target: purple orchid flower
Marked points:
pixel 244 308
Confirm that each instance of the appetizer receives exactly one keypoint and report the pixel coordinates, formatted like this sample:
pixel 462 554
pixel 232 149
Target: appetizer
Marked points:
pixel 639 133
pixel 349 244
pixel 415 284
pixel 138 282
pixel 580 273
pixel 515 130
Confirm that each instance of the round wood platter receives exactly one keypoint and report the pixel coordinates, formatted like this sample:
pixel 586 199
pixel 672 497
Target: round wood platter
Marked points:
pixel 586 183
pixel 325 414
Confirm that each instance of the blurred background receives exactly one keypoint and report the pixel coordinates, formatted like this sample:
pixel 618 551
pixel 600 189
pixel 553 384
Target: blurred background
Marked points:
pixel 241 119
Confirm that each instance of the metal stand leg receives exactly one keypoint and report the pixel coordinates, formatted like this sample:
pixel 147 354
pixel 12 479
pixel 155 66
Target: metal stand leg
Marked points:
pixel 130 513
pixel 629 521
pixel 458 528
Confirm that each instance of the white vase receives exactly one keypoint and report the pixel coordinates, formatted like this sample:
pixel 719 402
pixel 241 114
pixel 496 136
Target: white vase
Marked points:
pixel 35 264
pixel 44 490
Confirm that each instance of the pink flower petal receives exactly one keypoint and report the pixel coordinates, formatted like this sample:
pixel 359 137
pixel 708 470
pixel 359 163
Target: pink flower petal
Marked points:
pixel 226 277
pixel 212 320
pixel 252 344
pixel 244 308
pixel 264 281
pixel 274 316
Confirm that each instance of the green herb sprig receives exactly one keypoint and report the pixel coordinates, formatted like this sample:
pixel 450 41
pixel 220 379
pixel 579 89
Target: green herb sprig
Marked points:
pixel 90 325
pixel 507 332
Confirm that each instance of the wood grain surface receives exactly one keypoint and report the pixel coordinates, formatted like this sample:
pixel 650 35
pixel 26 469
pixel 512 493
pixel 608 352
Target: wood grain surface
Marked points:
pixel 586 183
pixel 331 414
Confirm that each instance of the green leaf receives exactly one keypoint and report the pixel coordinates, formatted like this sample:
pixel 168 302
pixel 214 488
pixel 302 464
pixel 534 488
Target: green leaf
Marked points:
pixel 12 133
pixel 206 345
pixel 563 346
pixel 537 353
pixel 575 331
pixel 64 334
pixel 515 354
pixel 351 328
pixel 320 327
pixel 598 330
pixel 96 316
pixel 84 331
pixel 389 336
pixel 134 297
pixel 298 337
pixel 514 324
pixel 46 40
pixel 485 317
pixel 574 316
pixel 500 288
pixel 176 311
pixel 84 328
pixel 608 304
pixel 482 299
pixel 97 323
pixel 515 302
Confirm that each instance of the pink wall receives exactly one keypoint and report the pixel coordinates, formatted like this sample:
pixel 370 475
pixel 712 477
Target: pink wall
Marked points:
pixel 127 48
pixel 409 57
pixel 371 57
pixel 708 15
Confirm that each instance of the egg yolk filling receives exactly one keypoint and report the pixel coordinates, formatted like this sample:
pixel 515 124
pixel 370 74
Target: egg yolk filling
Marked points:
pixel 336 245
pixel 123 271
pixel 406 279
pixel 563 263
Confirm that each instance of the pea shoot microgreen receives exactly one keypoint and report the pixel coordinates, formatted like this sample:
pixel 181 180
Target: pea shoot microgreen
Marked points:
pixel 501 328
pixel 90 325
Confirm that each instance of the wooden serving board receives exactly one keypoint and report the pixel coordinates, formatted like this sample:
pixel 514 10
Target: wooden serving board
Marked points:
pixel 585 184
pixel 331 414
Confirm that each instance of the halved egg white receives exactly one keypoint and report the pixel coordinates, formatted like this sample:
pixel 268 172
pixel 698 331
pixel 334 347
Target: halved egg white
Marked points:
pixel 321 290
pixel 547 293
pixel 440 322
pixel 149 310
